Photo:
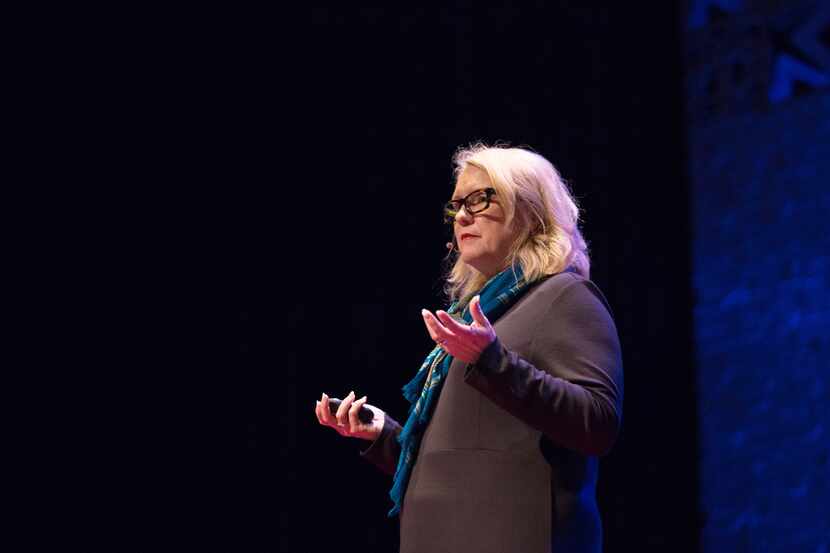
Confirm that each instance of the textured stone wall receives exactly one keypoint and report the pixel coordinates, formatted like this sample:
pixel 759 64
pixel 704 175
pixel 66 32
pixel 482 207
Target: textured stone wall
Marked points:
pixel 760 168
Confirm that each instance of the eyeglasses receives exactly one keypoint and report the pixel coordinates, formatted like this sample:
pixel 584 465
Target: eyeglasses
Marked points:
pixel 474 202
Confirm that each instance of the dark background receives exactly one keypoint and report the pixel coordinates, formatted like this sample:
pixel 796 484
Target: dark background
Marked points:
pixel 389 95
pixel 306 235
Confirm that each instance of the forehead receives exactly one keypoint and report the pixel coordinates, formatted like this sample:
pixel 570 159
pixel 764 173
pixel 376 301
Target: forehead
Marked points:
pixel 471 178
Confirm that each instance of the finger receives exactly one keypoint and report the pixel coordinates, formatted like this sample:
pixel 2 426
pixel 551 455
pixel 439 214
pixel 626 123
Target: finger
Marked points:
pixel 325 411
pixel 478 313
pixel 436 330
pixel 354 422
pixel 317 413
pixel 451 324
pixel 343 410
pixel 427 322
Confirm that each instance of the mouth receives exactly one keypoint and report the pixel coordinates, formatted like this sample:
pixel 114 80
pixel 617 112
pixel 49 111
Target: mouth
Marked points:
pixel 467 236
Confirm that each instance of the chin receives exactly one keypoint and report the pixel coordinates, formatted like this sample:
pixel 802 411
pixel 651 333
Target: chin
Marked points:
pixel 467 257
pixel 471 260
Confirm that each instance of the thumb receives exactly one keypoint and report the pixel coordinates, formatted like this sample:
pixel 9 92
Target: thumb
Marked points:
pixel 477 313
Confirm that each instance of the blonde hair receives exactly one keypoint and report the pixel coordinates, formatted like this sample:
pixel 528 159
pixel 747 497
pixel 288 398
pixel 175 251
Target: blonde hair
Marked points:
pixel 538 202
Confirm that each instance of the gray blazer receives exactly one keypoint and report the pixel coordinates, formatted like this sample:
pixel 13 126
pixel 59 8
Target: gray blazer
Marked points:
pixel 508 462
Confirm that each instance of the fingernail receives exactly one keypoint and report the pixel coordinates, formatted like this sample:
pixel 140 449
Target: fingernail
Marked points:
pixel 361 399
pixel 325 396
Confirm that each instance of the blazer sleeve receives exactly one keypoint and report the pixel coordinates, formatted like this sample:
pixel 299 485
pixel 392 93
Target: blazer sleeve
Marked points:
pixel 385 450
pixel 574 393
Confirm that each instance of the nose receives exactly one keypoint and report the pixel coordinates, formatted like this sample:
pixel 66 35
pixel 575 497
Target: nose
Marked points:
pixel 462 217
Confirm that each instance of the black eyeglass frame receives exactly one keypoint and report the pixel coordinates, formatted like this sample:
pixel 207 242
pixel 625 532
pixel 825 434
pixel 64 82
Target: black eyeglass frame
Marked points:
pixel 452 207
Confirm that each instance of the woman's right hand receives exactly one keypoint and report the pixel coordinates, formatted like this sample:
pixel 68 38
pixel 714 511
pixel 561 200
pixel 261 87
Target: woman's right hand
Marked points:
pixel 345 422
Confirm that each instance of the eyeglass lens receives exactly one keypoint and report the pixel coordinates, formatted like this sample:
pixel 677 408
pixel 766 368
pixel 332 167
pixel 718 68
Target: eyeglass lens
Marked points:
pixel 474 203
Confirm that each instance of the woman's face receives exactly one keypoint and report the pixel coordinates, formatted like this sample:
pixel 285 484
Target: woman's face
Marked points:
pixel 483 238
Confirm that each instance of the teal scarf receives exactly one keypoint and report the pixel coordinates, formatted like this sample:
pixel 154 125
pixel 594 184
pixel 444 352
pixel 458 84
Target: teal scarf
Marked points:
pixel 497 295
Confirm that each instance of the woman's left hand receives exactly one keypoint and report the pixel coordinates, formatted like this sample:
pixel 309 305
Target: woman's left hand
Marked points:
pixel 466 342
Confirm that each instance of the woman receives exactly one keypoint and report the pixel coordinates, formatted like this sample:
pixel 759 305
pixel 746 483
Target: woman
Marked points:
pixel 524 389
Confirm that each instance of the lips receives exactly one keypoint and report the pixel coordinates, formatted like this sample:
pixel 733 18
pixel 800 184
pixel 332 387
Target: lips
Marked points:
pixel 467 235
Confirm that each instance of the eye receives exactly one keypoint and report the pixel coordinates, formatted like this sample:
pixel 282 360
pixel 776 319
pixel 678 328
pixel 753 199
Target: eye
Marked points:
pixel 477 199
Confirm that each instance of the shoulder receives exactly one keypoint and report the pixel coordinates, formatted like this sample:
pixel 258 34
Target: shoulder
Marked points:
pixel 572 289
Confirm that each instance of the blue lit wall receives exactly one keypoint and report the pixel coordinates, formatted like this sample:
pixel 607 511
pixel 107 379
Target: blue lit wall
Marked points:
pixel 759 145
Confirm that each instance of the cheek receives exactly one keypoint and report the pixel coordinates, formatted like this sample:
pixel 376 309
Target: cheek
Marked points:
pixel 499 241
pixel 493 236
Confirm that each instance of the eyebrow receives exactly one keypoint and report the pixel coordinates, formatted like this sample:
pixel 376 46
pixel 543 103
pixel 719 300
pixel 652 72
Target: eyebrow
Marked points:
pixel 468 193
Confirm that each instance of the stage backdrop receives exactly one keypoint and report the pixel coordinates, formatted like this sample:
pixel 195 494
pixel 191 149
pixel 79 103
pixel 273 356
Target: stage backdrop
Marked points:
pixel 758 86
